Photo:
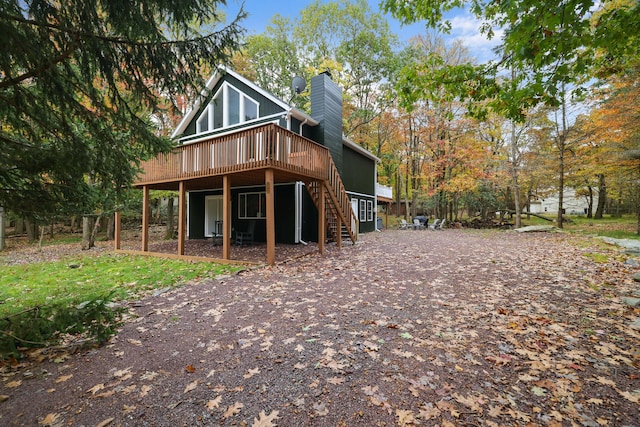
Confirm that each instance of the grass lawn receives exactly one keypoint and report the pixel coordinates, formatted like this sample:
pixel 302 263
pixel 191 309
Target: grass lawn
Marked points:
pixel 73 281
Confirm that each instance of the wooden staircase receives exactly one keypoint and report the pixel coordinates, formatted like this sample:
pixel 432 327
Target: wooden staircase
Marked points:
pixel 337 205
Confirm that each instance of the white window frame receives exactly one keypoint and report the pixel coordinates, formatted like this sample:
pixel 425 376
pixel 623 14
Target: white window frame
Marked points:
pixel 209 110
pixel 363 210
pixel 262 200
pixel 369 210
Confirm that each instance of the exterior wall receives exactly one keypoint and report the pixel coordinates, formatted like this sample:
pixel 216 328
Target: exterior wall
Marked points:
pixel 572 205
pixel 285 213
pixel 267 107
pixel 326 108
pixel 358 178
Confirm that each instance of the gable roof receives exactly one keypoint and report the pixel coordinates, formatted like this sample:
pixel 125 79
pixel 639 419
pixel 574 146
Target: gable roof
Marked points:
pixel 211 83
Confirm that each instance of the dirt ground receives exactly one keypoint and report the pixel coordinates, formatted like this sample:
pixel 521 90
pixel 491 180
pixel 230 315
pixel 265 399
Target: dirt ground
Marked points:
pixel 446 328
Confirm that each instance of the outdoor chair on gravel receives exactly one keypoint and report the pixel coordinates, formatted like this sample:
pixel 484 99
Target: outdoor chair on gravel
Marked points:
pixel 403 224
pixel 246 237
pixel 436 224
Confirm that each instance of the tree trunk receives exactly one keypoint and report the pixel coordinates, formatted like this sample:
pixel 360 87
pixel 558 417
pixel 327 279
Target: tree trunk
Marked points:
pixel 514 168
pixel 406 199
pixel 2 228
pixel 602 196
pixel 32 231
pixel 111 227
pixel 42 228
pixel 87 233
pixel 562 140
pixel 19 228
pixel 168 235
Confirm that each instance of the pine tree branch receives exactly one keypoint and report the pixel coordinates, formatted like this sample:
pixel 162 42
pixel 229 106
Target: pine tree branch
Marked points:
pixel 13 81
pixel 117 40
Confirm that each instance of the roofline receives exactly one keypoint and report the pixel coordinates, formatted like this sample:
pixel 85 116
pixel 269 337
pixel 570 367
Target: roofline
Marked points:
pixel 355 147
pixel 215 78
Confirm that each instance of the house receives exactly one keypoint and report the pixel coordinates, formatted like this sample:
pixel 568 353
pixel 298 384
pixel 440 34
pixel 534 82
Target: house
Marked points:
pixel 572 204
pixel 247 159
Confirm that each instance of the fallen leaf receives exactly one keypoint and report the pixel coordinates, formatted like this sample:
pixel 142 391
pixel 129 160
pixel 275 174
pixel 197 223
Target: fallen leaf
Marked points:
pixel 232 410
pixel 105 422
pixel 321 409
pixel 265 420
pixel 128 409
pixel 190 369
pixel 369 390
pixel 149 376
pixel 191 386
pixel 606 381
pixel 96 388
pixel 335 380
pixel 14 384
pixel 122 372
pixel 538 391
pixel 3 397
pixel 63 378
pixel 633 397
pixel 105 394
pixel 251 372
pixel 213 403
pixel 429 412
pixel 144 390
pixel 137 343
pixel 300 365
pixel 50 419
pixel 405 418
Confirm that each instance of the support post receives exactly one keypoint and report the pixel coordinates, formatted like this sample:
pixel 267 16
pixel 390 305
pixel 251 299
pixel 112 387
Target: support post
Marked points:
pixel 226 217
pixel 271 220
pixel 117 230
pixel 322 233
pixel 182 217
pixel 145 218
pixel 339 232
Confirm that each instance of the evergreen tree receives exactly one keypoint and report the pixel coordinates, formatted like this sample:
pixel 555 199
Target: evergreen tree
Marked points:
pixel 79 81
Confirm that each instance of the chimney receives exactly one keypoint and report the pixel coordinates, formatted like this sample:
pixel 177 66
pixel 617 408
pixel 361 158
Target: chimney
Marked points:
pixel 326 108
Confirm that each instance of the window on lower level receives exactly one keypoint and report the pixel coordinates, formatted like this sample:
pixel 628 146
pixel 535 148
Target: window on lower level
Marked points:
pixel 251 205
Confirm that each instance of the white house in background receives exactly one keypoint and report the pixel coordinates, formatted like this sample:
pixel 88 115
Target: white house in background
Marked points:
pixel 572 205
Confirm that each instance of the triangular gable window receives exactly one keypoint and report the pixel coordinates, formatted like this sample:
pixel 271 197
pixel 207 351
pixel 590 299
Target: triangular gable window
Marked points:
pixel 228 107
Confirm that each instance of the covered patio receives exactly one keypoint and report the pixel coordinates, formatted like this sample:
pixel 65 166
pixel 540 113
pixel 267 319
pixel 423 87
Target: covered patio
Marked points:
pixel 263 155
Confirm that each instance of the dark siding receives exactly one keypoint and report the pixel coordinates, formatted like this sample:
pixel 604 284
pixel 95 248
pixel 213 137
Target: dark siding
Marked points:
pixel 326 108
pixel 359 172
pixel 285 214
pixel 309 218
pixel 196 215
pixel 358 177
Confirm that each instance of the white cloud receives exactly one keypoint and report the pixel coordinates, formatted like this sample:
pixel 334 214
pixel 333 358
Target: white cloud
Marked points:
pixel 466 28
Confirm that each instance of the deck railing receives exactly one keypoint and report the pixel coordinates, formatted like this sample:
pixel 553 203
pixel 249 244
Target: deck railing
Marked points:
pixel 264 146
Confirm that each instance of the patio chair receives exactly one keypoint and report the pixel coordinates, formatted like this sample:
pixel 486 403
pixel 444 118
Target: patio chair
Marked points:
pixel 436 224
pixel 216 236
pixel 417 225
pixel 246 237
pixel 441 225
pixel 403 224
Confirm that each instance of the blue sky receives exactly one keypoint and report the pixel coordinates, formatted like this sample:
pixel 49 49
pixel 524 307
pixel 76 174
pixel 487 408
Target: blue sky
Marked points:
pixel 464 25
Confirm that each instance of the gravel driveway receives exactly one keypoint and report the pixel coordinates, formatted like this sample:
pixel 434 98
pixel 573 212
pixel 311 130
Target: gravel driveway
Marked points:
pixel 453 327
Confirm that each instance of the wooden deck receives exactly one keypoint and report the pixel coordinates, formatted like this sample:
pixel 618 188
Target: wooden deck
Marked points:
pixel 244 154
pixel 262 155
